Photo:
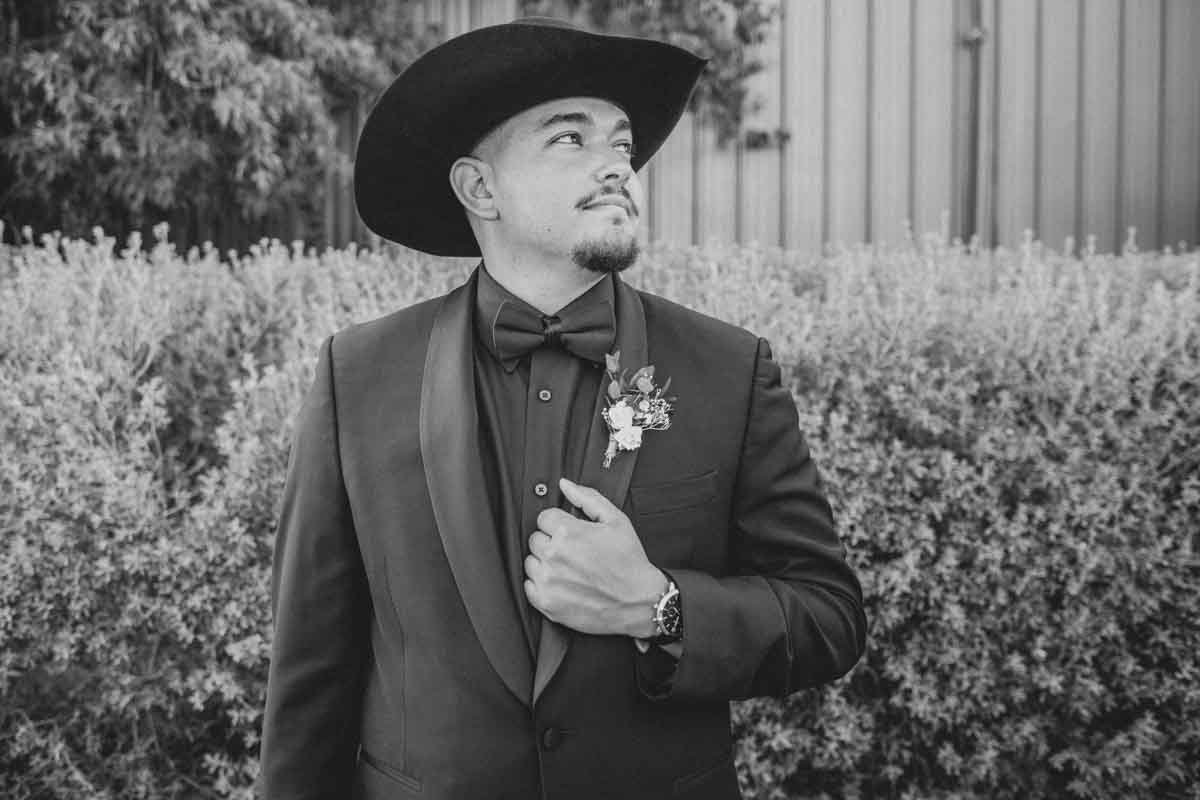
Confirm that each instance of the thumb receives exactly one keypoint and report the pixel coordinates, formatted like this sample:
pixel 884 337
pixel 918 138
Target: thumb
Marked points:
pixel 588 500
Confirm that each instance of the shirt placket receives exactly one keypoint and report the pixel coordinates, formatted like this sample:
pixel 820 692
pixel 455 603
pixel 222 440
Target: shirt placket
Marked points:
pixel 547 407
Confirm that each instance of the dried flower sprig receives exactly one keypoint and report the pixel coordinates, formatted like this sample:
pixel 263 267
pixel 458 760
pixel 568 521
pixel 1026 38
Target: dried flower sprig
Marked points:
pixel 633 404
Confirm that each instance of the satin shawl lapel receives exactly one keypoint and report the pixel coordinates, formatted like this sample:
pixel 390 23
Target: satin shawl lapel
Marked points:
pixel 613 482
pixel 450 451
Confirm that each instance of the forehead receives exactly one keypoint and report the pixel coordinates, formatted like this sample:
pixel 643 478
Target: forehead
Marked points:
pixel 590 110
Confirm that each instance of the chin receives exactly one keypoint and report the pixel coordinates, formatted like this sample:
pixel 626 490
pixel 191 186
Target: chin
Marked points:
pixel 615 252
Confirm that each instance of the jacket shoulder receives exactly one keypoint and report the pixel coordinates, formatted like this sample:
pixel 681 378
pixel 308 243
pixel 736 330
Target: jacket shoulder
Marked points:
pixel 679 325
pixel 391 336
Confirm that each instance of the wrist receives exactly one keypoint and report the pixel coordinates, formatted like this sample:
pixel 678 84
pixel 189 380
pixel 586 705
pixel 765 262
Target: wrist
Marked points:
pixel 641 614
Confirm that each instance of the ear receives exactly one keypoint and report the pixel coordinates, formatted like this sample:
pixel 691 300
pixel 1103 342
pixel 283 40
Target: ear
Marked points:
pixel 470 178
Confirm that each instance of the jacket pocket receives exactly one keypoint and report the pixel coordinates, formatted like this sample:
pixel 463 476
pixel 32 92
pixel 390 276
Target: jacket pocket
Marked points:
pixel 386 770
pixel 675 495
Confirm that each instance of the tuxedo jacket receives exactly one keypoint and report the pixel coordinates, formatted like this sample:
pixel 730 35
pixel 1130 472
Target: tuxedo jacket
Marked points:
pixel 399 665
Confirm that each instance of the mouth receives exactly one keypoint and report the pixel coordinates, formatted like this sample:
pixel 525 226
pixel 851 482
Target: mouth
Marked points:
pixel 619 202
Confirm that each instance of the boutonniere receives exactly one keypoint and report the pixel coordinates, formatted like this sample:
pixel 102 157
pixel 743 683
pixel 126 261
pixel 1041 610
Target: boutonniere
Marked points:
pixel 633 405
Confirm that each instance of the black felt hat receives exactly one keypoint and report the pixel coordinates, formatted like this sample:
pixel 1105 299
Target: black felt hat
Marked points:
pixel 446 100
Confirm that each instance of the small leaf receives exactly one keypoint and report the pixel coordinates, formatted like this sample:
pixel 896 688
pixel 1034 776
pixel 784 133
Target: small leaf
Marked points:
pixel 665 386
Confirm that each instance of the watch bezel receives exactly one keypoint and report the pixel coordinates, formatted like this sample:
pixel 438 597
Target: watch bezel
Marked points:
pixel 669 623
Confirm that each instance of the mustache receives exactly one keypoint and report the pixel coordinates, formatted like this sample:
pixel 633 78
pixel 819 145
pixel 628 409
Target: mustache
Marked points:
pixel 633 209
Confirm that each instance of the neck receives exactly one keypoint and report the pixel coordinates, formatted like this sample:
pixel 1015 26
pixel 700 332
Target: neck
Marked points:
pixel 546 287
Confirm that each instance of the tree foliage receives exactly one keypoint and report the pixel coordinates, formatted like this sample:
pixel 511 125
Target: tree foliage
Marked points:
pixel 219 116
pixel 121 113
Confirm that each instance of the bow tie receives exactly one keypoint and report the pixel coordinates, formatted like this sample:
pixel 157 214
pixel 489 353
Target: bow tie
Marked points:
pixel 586 333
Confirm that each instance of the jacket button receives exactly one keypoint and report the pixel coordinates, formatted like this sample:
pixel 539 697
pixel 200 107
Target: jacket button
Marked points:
pixel 551 738
pixel 540 489
pixel 544 395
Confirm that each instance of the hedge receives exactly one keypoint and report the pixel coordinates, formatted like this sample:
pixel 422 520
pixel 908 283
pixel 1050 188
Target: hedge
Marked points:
pixel 1010 439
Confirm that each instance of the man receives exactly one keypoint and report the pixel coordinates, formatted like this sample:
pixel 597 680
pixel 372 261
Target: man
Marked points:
pixel 444 628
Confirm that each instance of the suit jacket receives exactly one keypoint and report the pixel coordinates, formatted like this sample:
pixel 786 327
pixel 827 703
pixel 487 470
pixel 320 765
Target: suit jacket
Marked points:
pixel 399 664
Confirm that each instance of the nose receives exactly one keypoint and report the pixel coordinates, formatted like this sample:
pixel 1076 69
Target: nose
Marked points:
pixel 616 169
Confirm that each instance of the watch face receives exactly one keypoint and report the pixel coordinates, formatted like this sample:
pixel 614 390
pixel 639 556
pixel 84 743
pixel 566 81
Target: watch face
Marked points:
pixel 671 620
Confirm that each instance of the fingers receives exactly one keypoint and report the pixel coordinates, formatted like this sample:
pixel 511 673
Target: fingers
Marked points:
pixel 554 521
pixel 533 567
pixel 538 542
pixel 587 499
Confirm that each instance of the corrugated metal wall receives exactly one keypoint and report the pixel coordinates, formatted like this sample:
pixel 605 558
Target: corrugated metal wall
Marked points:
pixel 1068 117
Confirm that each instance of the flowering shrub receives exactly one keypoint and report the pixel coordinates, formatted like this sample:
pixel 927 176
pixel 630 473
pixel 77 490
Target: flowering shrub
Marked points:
pixel 1011 441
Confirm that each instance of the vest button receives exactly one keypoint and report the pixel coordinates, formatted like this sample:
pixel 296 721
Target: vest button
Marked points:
pixel 544 395
pixel 540 489
pixel 551 738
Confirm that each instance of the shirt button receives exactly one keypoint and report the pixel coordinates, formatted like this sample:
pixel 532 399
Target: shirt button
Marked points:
pixel 551 738
pixel 544 395
pixel 540 489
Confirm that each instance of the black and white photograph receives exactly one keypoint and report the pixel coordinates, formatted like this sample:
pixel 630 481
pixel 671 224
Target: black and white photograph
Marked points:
pixel 599 399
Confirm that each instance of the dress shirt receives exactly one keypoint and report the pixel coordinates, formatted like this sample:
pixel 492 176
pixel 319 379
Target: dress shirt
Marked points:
pixel 534 416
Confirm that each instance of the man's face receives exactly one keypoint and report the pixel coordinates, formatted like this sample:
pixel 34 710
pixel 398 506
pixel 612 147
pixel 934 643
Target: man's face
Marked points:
pixel 563 184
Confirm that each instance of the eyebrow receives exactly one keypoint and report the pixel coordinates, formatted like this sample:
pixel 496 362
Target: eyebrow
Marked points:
pixel 580 118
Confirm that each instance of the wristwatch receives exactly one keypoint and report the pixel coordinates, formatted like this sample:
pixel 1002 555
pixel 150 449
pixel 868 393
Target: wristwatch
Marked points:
pixel 668 614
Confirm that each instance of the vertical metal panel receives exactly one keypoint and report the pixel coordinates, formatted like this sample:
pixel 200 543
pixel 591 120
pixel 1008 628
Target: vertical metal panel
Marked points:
pixel 1016 119
pixel 1098 127
pixel 673 194
pixel 973 112
pixel 803 118
pixel 1141 109
pixel 891 119
pixel 932 145
pixel 457 14
pixel 1058 105
pixel 495 12
pixel 847 121
pixel 716 182
pixel 759 187
pixel 435 14
pixel 1181 130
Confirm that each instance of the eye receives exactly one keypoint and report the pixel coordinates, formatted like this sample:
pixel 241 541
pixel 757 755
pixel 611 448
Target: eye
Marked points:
pixel 629 147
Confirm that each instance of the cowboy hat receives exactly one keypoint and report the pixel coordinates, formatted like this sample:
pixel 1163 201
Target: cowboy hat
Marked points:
pixel 446 101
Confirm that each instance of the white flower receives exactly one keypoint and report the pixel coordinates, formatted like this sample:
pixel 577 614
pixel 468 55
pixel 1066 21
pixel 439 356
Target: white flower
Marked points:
pixel 620 416
pixel 629 438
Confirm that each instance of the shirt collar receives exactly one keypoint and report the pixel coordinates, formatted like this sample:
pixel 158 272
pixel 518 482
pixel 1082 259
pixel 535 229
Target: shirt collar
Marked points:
pixel 489 295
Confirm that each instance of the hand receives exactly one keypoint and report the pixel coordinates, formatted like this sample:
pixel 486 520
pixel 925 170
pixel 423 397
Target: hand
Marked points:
pixel 591 576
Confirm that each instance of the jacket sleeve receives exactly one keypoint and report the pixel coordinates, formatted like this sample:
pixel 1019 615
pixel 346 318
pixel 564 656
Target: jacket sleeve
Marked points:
pixel 321 613
pixel 789 613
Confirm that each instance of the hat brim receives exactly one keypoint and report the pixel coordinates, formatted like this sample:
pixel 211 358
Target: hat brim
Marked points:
pixel 446 100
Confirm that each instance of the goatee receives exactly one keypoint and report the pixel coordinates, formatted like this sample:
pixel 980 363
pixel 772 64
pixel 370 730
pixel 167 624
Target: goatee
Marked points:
pixel 606 255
